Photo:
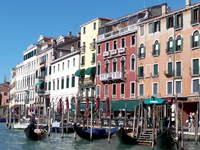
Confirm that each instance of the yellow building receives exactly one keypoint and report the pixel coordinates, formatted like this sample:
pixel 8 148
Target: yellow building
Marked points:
pixel 87 71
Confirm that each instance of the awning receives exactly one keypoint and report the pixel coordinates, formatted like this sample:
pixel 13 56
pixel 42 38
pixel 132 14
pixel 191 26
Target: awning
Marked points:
pixel 119 105
pixel 80 72
pixel 155 100
pixel 39 83
pixel 83 106
pixel 91 70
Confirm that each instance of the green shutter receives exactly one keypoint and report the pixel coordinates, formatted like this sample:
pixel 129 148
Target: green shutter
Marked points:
pixel 45 73
pixel 45 86
pixel 73 81
pixel 158 49
pixel 67 82
pixel 167 23
pixel 139 73
pixel 62 84
pixel 175 21
pixel 144 51
pixel 93 57
pixel 139 52
pixel 167 49
pixel 181 20
pixel 195 66
pixel 155 70
pixel 181 44
pixel 170 68
pixel 159 25
pixel 174 46
pixel 192 16
pixel 153 27
pixel 36 74
pixel 178 73
pixel 49 86
pixel 49 70
pixel 153 49
pixel 191 41
pixel 199 41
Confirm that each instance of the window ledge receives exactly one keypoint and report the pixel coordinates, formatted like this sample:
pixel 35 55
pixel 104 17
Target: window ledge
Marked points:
pixel 178 28
pixel 193 48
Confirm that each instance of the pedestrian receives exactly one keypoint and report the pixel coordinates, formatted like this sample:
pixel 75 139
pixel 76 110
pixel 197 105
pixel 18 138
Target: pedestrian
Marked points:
pixel 190 122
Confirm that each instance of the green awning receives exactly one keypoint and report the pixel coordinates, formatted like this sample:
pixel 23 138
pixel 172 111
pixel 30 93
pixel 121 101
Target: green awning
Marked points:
pixel 80 72
pixel 39 83
pixel 91 70
pixel 83 106
pixel 119 105
pixel 155 100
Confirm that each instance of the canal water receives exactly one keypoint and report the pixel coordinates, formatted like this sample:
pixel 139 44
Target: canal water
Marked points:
pixel 16 140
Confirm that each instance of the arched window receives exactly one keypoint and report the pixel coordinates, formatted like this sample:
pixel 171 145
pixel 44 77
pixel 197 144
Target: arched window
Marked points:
pixel 156 48
pixel 195 39
pixel 132 62
pixel 114 65
pixel 106 66
pixel 169 48
pixel 98 68
pixel 179 44
pixel 123 64
pixel 141 51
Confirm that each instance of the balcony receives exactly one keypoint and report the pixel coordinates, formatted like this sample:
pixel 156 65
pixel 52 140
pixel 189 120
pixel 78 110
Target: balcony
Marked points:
pixel 168 74
pixel 40 92
pixel 42 61
pixel 83 49
pixel 106 54
pixel 41 77
pixel 93 46
pixel 112 76
pixel 119 32
pixel 122 50
pixel 113 52
pixel 87 81
pixel 169 50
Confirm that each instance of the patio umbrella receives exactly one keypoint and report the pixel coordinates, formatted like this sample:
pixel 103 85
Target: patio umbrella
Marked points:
pixel 97 103
pixel 107 106
pixel 67 104
pixel 155 100
pixel 60 106
pixel 86 107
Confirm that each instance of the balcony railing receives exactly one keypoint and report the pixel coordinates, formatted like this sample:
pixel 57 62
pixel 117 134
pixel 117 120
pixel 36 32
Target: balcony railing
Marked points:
pixel 87 81
pixel 113 52
pixel 118 32
pixel 93 46
pixel 168 74
pixel 112 76
pixel 106 53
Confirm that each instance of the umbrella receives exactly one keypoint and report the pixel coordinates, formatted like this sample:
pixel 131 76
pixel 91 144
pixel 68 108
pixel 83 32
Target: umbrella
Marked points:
pixel 155 100
pixel 97 103
pixel 67 104
pixel 86 107
pixel 107 107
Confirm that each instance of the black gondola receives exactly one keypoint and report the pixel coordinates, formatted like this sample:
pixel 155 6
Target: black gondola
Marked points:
pixel 32 134
pixel 125 138
pixel 165 139
pixel 97 133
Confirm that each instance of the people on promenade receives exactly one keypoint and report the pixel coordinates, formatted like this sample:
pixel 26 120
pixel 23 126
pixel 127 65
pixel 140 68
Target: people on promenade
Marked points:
pixel 190 122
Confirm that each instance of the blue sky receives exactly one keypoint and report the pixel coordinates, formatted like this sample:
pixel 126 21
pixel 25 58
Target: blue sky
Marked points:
pixel 23 21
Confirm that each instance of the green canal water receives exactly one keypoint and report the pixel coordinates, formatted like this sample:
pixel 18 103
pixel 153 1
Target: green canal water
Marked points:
pixel 16 140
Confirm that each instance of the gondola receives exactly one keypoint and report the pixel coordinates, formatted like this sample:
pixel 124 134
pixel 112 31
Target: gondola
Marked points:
pixel 97 133
pixel 35 134
pixel 125 138
pixel 165 139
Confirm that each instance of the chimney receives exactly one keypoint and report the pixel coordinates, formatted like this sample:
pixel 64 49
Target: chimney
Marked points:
pixel 188 3
pixel 69 33
pixel 164 8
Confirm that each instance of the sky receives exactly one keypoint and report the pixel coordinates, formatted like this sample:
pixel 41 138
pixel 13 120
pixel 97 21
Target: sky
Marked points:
pixel 23 21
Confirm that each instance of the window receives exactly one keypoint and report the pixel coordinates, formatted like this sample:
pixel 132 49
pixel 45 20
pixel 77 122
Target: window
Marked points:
pixel 169 48
pixel 83 30
pixel 49 86
pixel 63 66
pixel 141 51
pixel 5 93
pixel 122 89
pixel 114 89
pixel 178 87
pixel 106 90
pixel 114 45
pixel 68 64
pixel 54 85
pixel 74 62
pixel 94 26
pixel 62 83
pixel 99 49
pixel 123 64
pixel 93 58
pixel 195 17
pixel 132 63
pixel 107 47
pixel 98 68
pixel 150 28
pixel 114 65
pixel 194 39
pixel 178 44
pixel 178 69
pixel 169 87
pixel 169 22
pixel 156 48
pixel 141 72
pixel 73 81
pixel 195 87
pixel 67 82
pixel 141 30
pixel 132 90
pixel 133 40
pixel 107 66
pixel 98 90
pixel 54 69
pixel 141 89
pixel 83 48
pixel 156 26
pixel 155 70
pixel 195 69
pixel 83 60
pixel 178 21
pixel 58 84
pixel 155 88
pixel 123 42
pixel 169 68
